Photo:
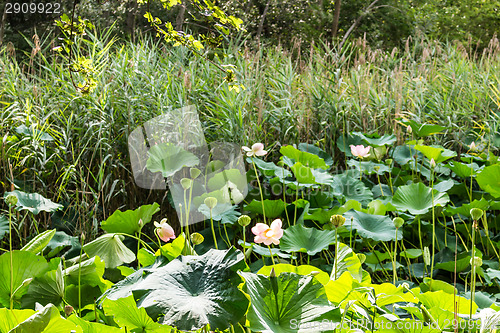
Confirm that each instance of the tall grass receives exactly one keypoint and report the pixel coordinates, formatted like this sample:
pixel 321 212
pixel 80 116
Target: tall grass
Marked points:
pixel 291 96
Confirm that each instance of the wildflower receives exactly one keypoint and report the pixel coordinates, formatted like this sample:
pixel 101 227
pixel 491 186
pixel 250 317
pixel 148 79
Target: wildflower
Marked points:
pixel 409 129
pixel 256 150
pixel 432 163
pixel 268 234
pixel 360 151
pixel 164 230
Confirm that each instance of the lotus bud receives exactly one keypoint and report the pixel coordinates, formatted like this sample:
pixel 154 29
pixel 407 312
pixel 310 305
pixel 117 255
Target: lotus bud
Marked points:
pixel 140 223
pixel 388 161
pixel 476 213
pixel 473 146
pixel 432 163
pixel 211 202
pixel 314 273
pixel 186 183
pixel 409 129
pixel 194 173
pixel 376 168
pixel 272 273
pixel 197 238
pixel 476 261
pixel 337 220
pixel 398 222
pixel 68 310
pixel 11 200
pixel 427 256
pixel 82 237
pixel 244 220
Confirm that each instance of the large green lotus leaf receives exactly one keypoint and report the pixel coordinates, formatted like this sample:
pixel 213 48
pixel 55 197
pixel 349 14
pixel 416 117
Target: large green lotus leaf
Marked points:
pixel 321 215
pixel 439 154
pixel 263 251
pixel 4 226
pixel 45 289
pixel 127 314
pixel 89 327
pixel 489 180
pixel 465 208
pixel 223 212
pixel 347 261
pixel 321 276
pixel 190 291
pixel 280 304
pixel 222 178
pixel 306 147
pixel 63 244
pixel 351 189
pixel 463 170
pixel 12 318
pixel 423 130
pixel 303 174
pixel 446 301
pixel 174 249
pixel 168 158
pixel 25 265
pixel 128 221
pixel 369 167
pixel 376 227
pixel 110 248
pixel 34 202
pixel 404 154
pixel 47 320
pixel 417 198
pixel 305 158
pixel 39 242
pixel 375 139
pixel 273 208
pixel 84 296
pixel 270 169
pixel 344 143
pixel 298 238
pixel 89 272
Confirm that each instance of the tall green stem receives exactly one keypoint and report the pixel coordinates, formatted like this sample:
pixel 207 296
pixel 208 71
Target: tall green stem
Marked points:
pixel 260 190
pixel 336 255
pixel 213 230
pixel 271 253
pixel 394 271
pixel 11 261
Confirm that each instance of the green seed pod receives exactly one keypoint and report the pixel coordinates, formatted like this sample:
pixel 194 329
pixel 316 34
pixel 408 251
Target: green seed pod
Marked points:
pixel 427 256
pixel 211 202
pixel 11 200
pixel 244 220
pixel 186 183
pixel 476 213
pixel 398 222
pixel 197 238
pixel 194 173
pixel 337 220
pixel 476 261
pixel 405 286
pixel 388 161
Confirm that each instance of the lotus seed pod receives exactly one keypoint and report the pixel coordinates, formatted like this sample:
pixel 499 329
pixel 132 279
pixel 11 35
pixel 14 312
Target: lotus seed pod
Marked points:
pixel 476 261
pixel 337 220
pixel 197 238
pixel 186 183
pixel 398 222
pixel 11 200
pixel 68 310
pixel 388 161
pixel 427 256
pixel 211 202
pixel 476 213
pixel 361 257
pixel 194 173
pixel 244 220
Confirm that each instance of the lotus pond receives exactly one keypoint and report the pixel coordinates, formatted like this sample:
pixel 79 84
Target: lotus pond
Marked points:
pixel 402 237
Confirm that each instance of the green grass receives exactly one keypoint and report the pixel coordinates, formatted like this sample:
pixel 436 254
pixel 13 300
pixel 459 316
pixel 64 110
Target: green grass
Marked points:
pixel 288 99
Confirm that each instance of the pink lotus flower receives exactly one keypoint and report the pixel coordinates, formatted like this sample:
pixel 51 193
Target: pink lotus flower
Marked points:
pixel 256 150
pixel 360 151
pixel 268 235
pixel 164 230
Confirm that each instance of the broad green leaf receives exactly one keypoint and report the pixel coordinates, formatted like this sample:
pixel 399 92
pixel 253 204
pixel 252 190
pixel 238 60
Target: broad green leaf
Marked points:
pixel 190 291
pixel 439 154
pixel 351 189
pixel 145 257
pixel 321 215
pixel 225 213
pixel 280 304
pixel 465 208
pixel 298 238
pixel 174 249
pixel 4 226
pixel 411 253
pixel 128 221
pixel 404 154
pixel 45 289
pixel 308 148
pixel 418 198
pixel 489 180
pixel 435 285
pixel 110 248
pixel 34 202
pixel 264 251
pixel 168 159
pixel 47 320
pixel 376 227
pixel 89 327
pixel 463 170
pixel 40 241
pixel 273 208
pixel 304 158
pixel 321 276
pixel 375 139
pixel 12 318
pixel 126 314
pixel 25 265
pixel 63 243
pixel 347 261
pixel 270 169
pixel 369 167
pixel 303 174
pixel 88 272
pixel 224 177
pixel 423 130
pixel 446 301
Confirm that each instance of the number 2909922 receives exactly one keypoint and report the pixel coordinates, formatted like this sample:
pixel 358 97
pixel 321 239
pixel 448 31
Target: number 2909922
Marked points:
pixel 32 8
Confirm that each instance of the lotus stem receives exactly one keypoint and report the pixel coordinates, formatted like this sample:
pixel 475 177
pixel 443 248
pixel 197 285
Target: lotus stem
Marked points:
pixel 260 190
pixel 213 230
